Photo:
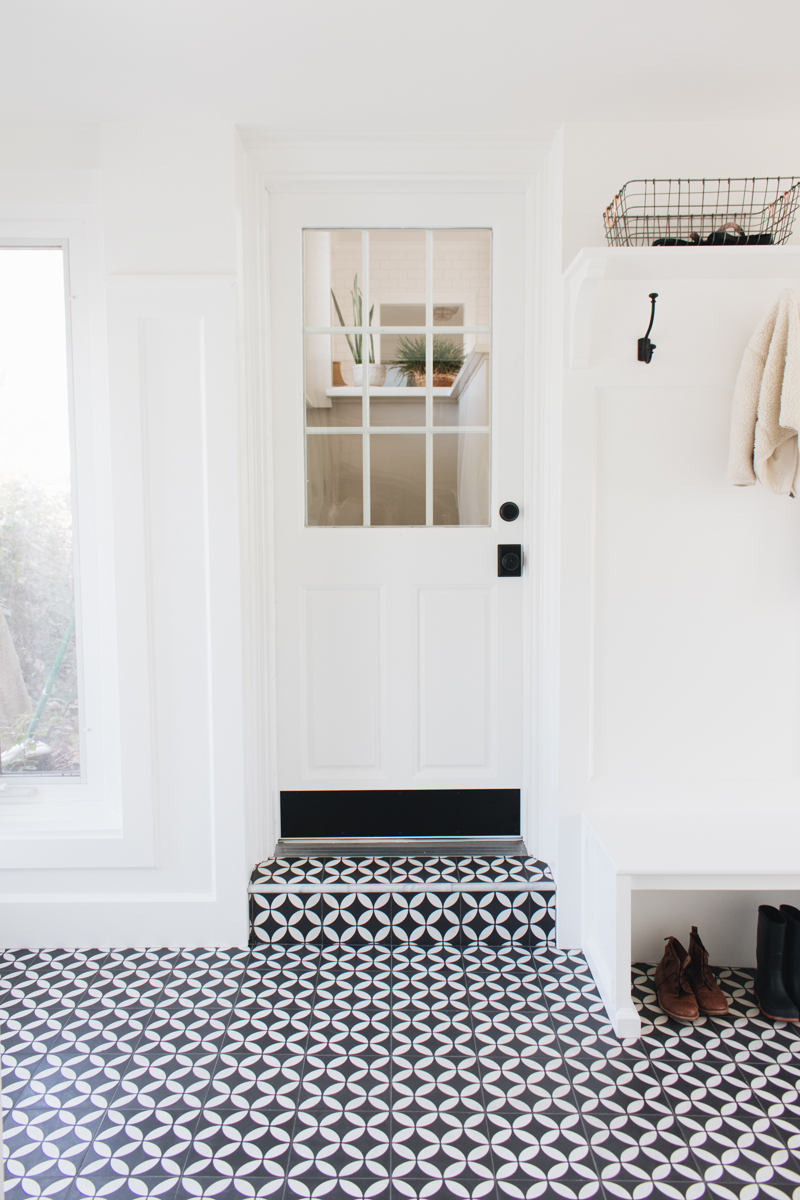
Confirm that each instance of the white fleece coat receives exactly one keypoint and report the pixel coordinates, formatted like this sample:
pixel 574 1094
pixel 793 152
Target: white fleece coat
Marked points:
pixel 766 402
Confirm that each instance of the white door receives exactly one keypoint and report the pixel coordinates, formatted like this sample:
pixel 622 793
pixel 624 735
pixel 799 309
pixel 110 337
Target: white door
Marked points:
pixel 399 648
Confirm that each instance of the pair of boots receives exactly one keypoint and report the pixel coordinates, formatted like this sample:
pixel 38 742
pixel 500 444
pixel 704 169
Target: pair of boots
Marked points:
pixel 777 985
pixel 685 984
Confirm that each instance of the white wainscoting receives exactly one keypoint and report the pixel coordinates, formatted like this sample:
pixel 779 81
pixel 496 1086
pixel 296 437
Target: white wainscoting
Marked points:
pixel 174 454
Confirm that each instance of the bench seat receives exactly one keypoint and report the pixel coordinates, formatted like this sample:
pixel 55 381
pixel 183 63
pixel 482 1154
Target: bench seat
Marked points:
pixel 623 852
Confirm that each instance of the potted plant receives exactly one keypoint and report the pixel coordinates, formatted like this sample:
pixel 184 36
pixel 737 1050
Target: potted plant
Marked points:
pixel 448 359
pixel 377 374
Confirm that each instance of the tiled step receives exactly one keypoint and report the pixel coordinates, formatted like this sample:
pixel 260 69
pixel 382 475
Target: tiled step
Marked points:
pixel 421 900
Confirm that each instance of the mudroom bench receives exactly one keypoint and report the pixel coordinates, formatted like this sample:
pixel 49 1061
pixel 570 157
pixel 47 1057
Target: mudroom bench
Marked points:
pixel 621 854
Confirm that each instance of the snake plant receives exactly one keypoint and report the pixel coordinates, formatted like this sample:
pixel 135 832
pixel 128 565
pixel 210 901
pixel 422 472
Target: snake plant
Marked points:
pixel 354 340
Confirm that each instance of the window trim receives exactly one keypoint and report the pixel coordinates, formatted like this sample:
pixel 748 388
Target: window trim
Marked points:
pixel 33 780
pixel 91 802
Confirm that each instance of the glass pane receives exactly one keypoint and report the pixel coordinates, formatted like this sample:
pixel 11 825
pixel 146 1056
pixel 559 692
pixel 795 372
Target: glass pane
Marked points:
pixel 462 268
pixel 468 400
pixel 397 479
pixel 328 402
pixel 346 304
pixel 411 315
pixel 331 261
pixel 401 398
pixel 397 410
pixel 461 479
pixel 334 476
pixel 396 288
pixel 462 275
pixel 39 719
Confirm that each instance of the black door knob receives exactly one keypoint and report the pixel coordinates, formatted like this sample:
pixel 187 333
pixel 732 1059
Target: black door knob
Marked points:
pixel 509 511
pixel 509 561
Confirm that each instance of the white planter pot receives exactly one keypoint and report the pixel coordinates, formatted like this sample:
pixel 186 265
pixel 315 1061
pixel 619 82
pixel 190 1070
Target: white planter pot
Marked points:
pixel 377 375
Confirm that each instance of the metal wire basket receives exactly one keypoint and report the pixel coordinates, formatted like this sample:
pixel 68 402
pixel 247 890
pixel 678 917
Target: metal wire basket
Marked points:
pixel 709 212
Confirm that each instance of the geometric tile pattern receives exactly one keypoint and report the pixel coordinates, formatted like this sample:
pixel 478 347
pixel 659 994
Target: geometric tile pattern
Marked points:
pixel 526 918
pixel 424 900
pixel 415 1071
pixel 484 872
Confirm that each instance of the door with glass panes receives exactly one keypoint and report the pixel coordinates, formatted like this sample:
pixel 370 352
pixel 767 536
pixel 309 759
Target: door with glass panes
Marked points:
pixel 397 398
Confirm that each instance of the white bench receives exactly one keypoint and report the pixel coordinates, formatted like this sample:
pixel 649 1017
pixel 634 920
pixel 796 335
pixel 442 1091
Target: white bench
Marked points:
pixel 624 852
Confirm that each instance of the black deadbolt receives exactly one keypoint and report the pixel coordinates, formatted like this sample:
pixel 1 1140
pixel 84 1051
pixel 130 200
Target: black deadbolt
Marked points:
pixel 509 511
pixel 509 561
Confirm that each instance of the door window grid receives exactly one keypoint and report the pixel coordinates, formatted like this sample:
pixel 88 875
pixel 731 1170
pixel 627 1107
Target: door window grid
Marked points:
pixel 365 331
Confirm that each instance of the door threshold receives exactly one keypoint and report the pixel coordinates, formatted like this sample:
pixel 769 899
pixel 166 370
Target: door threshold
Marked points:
pixel 398 847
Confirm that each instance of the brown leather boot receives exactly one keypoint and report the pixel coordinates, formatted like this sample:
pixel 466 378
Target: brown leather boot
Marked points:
pixel 675 997
pixel 700 978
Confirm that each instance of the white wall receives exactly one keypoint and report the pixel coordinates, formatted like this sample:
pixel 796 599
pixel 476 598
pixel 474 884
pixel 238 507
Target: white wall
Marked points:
pixel 169 198
pixel 680 602
pixel 725 920
pixel 678 628
pixel 161 282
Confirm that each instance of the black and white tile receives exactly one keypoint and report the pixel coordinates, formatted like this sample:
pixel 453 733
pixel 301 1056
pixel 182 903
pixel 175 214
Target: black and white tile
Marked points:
pixel 425 900
pixel 426 917
pixel 377 1054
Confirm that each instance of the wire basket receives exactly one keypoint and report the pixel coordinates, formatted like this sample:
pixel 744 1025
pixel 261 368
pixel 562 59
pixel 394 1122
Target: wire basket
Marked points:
pixel 708 212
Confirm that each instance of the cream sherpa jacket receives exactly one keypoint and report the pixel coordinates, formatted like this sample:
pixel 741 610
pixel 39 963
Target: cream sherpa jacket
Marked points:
pixel 766 402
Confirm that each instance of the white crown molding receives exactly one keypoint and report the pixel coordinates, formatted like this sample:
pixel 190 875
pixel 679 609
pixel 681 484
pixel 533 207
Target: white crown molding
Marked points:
pixel 398 163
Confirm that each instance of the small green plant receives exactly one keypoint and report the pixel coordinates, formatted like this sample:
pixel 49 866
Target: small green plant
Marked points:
pixel 448 356
pixel 354 340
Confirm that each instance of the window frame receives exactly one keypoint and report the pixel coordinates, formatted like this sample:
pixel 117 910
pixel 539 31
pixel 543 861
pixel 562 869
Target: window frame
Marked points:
pixel 91 801
pixel 11 783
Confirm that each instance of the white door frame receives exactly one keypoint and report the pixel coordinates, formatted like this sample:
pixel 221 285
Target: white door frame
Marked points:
pixel 404 164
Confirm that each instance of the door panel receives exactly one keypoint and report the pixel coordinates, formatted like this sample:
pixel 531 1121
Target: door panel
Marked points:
pixel 398 655
pixel 343 677
pixel 456 670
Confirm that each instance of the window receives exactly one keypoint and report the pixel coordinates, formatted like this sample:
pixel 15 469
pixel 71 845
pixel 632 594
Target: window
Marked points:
pixel 39 679
pixel 397 376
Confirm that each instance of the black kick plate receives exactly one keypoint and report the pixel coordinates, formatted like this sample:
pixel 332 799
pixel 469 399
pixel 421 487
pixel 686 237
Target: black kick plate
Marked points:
pixel 431 812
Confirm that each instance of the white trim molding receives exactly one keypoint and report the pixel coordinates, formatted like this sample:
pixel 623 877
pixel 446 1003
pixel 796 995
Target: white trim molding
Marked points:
pixel 270 164
pixel 85 811
pixel 174 462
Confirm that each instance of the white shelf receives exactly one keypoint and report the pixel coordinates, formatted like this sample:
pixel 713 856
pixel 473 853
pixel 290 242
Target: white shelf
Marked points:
pixel 690 262
pixel 740 847
pixel 407 395
pixel 652 264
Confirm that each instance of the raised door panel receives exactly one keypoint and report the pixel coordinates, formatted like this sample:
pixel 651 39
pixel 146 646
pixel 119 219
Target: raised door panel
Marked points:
pixel 455 680
pixel 343 678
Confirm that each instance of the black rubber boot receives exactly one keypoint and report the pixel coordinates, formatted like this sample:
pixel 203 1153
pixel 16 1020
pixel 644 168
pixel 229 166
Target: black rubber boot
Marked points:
pixel 771 995
pixel 791 953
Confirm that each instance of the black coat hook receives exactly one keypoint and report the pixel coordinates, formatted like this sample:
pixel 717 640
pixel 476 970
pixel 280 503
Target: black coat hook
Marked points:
pixel 646 347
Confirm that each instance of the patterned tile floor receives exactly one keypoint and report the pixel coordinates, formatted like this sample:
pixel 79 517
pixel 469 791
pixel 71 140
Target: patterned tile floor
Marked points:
pixel 396 900
pixel 427 870
pixel 381 1072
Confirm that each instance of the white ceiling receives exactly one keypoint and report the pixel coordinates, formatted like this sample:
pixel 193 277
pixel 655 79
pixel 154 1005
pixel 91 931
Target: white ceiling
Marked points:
pixel 419 66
